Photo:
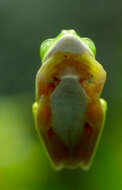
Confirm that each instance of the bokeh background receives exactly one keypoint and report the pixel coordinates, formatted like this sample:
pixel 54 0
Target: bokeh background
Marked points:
pixel 23 24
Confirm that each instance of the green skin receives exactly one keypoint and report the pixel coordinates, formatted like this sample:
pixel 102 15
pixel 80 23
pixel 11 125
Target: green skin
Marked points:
pixel 44 48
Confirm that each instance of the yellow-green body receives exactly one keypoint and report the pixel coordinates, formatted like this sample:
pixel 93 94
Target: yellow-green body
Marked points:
pixel 68 111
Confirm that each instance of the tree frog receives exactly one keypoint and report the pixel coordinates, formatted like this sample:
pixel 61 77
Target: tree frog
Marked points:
pixel 68 111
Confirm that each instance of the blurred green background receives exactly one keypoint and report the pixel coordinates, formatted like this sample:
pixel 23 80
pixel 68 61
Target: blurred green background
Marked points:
pixel 23 24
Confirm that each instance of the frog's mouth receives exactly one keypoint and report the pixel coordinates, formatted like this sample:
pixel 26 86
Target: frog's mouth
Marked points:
pixel 68 43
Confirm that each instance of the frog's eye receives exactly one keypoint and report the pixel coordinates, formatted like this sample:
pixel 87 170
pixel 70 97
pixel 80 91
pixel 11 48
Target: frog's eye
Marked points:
pixel 44 47
pixel 90 44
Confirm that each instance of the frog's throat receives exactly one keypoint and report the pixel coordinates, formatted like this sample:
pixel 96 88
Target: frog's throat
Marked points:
pixel 68 103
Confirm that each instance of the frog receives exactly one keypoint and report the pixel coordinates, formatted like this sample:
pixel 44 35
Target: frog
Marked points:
pixel 68 110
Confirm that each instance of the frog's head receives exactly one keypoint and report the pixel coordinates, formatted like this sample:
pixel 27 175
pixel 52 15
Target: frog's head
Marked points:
pixel 67 41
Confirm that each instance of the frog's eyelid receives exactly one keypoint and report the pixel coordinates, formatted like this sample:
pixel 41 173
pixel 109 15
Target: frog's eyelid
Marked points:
pixel 45 45
pixel 90 44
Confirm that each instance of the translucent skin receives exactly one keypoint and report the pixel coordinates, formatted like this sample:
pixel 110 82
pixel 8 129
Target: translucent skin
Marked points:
pixel 91 76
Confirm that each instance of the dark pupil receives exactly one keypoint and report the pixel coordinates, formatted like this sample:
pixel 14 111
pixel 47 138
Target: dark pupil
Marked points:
pixel 87 125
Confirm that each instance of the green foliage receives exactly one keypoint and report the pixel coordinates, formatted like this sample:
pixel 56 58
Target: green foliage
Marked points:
pixel 23 163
